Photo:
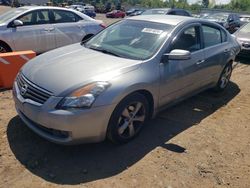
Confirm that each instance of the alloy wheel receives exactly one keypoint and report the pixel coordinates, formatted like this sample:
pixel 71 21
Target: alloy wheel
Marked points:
pixel 131 120
pixel 225 77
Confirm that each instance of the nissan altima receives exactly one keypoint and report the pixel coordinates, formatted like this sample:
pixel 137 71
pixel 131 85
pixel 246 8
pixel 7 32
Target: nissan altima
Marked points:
pixel 45 28
pixel 109 86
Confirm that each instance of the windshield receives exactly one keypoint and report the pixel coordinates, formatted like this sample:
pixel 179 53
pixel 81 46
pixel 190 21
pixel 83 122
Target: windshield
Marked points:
pixel 10 14
pixel 245 28
pixel 219 16
pixel 131 39
pixel 154 11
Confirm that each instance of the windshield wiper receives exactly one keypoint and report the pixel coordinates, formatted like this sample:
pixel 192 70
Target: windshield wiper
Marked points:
pixel 104 51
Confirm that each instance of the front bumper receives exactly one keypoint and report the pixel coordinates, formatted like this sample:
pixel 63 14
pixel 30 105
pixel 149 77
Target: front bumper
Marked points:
pixel 245 52
pixel 245 48
pixel 63 126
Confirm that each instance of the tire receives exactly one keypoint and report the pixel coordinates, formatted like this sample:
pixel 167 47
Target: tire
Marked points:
pixel 4 48
pixel 224 78
pixel 128 118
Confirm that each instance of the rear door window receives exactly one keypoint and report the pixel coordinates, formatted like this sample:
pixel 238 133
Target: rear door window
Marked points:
pixel 61 16
pixel 211 35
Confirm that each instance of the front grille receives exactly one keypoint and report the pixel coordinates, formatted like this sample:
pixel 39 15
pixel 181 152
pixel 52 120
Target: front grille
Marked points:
pixel 28 90
pixel 246 44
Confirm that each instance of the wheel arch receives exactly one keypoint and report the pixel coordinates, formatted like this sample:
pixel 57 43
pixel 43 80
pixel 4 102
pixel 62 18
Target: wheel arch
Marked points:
pixel 148 95
pixel 229 62
pixel 7 45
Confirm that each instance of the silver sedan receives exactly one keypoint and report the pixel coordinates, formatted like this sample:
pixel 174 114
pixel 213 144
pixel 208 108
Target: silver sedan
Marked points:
pixel 41 29
pixel 110 85
pixel 243 36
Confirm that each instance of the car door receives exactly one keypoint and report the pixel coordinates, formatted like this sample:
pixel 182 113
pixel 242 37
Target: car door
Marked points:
pixel 181 77
pixel 217 53
pixel 36 33
pixel 68 27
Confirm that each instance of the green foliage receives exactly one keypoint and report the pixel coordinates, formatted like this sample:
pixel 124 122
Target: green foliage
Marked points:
pixel 234 5
pixel 240 5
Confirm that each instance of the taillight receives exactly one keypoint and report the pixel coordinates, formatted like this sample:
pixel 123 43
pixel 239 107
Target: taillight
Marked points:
pixel 103 26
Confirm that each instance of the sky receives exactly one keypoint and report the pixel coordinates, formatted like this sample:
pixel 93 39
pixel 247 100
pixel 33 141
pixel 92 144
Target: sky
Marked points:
pixel 217 1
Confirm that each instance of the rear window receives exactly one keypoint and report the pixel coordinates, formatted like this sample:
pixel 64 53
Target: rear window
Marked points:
pixel 178 12
pixel 154 11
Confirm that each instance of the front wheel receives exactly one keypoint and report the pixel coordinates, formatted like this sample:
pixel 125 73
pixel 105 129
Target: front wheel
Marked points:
pixel 4 48
pixel 224 78
pixel 128 118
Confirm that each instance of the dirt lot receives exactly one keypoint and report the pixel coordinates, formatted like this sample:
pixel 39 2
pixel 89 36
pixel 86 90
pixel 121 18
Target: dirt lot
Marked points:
pixel 201 142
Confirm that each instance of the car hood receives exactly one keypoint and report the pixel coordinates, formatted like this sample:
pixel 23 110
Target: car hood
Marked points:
pixel 67 68
pixel 242 36
pixel 3 26
pixel 216 20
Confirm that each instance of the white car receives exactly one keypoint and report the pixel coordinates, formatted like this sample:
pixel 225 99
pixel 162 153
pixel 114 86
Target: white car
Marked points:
pixel 41 28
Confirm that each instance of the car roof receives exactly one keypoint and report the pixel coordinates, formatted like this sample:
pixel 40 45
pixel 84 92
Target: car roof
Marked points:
pixel 159 9
pixel 43 7
pixel 165 19
pixel 28 8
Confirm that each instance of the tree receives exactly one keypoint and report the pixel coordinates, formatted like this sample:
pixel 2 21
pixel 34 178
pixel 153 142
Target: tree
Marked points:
pixel 240 5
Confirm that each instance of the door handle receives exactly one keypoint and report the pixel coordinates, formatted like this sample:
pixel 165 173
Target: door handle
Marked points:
pixel 200 62
pixel 226 50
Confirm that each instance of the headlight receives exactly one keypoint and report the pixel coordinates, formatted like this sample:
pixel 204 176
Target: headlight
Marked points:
pixel 83 97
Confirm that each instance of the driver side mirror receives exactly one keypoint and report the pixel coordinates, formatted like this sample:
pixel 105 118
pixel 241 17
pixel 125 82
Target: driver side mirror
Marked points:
pixel 17 23
pixel 177 54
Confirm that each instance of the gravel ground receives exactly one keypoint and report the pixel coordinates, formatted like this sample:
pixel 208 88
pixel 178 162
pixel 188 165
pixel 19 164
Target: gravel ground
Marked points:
pixel 201 142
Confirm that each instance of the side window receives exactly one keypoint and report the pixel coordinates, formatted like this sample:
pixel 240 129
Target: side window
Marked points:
pixel 188 40
pixel 212 36
pixel 185 13
pixel 62 16
pixel 27 19
pixel 35 18
pixel 237 18
pixel 172 12
pixel 42 17
pixel 181 13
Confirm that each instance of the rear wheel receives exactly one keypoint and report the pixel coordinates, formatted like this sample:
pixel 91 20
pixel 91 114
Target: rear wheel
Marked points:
pixel 128 118
pixel 224 78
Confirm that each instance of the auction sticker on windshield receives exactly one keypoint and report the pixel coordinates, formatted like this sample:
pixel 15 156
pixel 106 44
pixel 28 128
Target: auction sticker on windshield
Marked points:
pixel 153 31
